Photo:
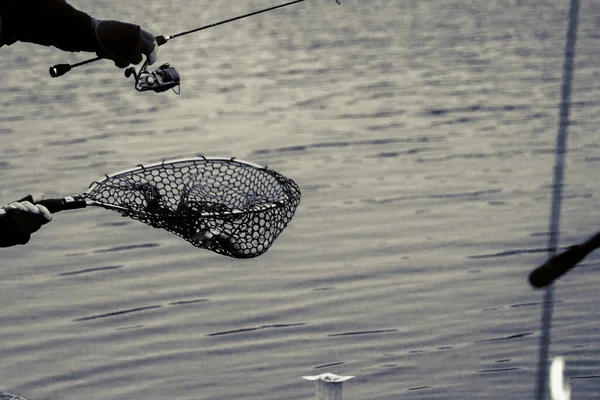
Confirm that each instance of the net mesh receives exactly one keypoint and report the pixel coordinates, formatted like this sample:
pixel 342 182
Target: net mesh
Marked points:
pixel 224 205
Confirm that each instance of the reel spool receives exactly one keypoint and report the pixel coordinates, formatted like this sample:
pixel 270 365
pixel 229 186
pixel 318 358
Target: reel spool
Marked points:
pixel 162 79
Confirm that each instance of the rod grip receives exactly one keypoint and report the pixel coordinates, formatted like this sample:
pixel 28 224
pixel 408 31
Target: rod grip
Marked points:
pixel 59 70
pixel 557 266
pixel 560 264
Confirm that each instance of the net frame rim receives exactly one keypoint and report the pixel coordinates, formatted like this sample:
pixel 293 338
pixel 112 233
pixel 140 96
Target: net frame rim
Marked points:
pixel 141 167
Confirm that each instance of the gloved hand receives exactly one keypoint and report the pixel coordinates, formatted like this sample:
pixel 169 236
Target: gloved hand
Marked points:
pixel 21 220
pixel 124 43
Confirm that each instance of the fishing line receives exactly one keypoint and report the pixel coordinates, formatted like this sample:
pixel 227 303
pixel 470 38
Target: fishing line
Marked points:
pixel 559 172
pixel 165 70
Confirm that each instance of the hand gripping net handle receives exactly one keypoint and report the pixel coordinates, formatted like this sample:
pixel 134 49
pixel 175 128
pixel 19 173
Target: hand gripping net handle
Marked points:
pixel 228 206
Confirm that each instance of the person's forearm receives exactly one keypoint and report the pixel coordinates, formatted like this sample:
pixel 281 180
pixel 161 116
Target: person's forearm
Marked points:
pixel 47 22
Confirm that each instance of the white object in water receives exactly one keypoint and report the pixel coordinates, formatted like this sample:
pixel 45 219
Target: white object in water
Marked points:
pixel 328 386
pixel 558 389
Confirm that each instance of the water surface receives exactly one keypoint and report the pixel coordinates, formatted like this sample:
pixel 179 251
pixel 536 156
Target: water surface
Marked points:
pixel 422 134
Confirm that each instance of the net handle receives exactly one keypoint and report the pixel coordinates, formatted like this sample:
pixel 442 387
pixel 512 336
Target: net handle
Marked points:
pixel 58 204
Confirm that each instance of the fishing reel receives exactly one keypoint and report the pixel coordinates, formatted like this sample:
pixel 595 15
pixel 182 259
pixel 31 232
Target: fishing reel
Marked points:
pixel 162 79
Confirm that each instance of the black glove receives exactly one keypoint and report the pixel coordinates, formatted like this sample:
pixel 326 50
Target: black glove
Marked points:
pixel 124 43
pixel 20 221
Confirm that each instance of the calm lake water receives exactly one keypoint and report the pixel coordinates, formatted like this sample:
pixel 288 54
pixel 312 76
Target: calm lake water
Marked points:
pixel 423 136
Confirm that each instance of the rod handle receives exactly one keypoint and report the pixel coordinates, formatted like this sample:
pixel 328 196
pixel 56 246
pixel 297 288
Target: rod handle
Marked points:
pixel 557 266
pixel 59 70
pixel 561 263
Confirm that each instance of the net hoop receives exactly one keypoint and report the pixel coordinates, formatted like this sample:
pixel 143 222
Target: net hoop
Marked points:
pixel 230 206
pixel 141 167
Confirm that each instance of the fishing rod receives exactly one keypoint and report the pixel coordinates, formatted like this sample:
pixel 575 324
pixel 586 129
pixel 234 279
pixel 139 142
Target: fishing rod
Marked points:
pixel 165 77
pixel 561 263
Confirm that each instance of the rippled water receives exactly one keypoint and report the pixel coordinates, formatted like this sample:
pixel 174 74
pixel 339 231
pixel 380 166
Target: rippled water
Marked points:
pixel 422 134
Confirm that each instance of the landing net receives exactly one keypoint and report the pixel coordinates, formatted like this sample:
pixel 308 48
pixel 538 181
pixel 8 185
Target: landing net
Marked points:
pixel 228 206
